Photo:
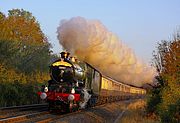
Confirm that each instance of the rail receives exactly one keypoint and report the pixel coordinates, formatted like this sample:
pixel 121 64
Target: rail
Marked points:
pixel 23 106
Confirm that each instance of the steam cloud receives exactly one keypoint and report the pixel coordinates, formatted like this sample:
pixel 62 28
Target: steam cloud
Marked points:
pixel 90 41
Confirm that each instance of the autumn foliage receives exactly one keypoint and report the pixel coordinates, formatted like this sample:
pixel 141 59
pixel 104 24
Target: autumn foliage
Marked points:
pixel 164 100
pixel 24 58
pixel 20 25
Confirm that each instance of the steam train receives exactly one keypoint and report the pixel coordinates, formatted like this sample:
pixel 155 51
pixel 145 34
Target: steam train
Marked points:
pixel 77 85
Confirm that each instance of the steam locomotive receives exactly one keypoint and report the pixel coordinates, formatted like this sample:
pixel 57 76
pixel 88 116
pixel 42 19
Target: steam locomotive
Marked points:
pixel 77 85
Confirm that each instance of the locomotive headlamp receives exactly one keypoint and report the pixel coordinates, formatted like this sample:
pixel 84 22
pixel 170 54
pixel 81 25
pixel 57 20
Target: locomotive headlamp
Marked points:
pixel 71 97
pixel 46 89
pixel 72 91
pixel 43 96
pixel 73 59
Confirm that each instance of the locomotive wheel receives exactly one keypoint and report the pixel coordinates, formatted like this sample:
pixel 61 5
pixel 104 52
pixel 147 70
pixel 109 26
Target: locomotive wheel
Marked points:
pixel 90 103
pixel 65 108
pixel 51 106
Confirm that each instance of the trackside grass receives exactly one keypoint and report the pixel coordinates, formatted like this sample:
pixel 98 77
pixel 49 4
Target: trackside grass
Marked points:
pixel 135 113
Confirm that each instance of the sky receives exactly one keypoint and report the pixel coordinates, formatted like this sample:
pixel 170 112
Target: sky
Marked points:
pixel 138 23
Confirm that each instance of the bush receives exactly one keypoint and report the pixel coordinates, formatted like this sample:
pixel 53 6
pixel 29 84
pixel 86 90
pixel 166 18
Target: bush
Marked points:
pixel 18 88
pixel 13 94
pixel 170 114
pixel 154 98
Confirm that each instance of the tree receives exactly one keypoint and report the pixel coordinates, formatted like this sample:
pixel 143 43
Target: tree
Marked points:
pixel 166 97
pixel 169 108
pixel 2 16
pixel 24 58
pixel 23 42
pixel 20 25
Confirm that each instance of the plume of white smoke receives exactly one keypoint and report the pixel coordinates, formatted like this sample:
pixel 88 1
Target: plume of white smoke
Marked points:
pixel 90 41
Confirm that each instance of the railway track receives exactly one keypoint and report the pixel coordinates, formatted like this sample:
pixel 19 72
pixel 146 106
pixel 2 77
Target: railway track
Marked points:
pixel 29 113
pixel 24 107
pixel 110 112
pixel 38 116
pixel 20 112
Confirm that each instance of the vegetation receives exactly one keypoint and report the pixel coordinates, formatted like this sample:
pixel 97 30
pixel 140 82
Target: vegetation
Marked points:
pixel 24 58
pixel 135 113
pixel 164 100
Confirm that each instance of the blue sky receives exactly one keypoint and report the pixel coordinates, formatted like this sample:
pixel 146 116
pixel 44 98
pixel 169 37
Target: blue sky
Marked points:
pixel 138 23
